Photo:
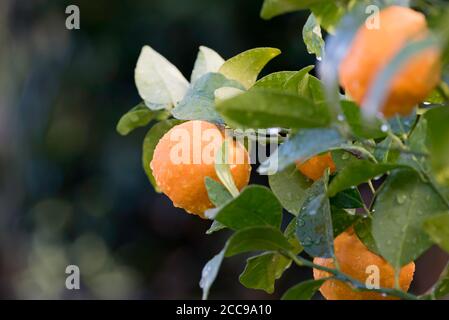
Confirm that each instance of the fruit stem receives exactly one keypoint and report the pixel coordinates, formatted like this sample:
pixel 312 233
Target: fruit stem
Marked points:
pixel 338 275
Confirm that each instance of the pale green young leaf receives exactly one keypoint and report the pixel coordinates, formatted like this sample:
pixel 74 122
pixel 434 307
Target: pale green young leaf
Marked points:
pixel 246 66
pixel 158 81
pixel 311 34
pixel 207 61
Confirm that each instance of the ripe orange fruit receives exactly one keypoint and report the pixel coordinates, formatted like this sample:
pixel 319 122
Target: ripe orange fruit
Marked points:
pixel 185 156
pixel 372 50
pixel 354 258
pixel 314 167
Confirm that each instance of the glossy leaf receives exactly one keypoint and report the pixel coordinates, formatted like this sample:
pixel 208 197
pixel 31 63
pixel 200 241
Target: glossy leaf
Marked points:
pixel 290 186
pixel 342 220
pixel 275 81
pixel 263 270
pixel 401 125
pixel 347 199
pixel 303 291
pixel 401 207
pixel 358 172
pixel 254 206
pixel 363 228
pixel 269 109
pixel 262 238
pixel 246 66
pixel 314 222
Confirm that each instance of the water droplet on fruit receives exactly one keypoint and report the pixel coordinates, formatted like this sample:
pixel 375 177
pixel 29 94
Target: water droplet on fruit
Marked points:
pixel 341 117
pixel 384 128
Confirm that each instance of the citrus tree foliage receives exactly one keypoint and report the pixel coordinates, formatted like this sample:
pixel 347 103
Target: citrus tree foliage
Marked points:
pixel 407 214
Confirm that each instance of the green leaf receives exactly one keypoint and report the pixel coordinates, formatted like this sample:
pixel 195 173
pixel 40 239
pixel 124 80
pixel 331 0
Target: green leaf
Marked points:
pixel 347 199
pixel 342 158
pixel 385 152
pixel 254 206
pixel 441 288
pixel 139 116
pixel 314 222
pixel 300 84
pixel 215 226
pixel 219 196
pixel 159 82
pixel 246 66
pixel 437 227
pixel 328 14
pixel 149 144
pixel 269 109
pixel 363 229
pixel 301 147
pixel 303 291
pixel 401 207
pixel 289 186
pixel 312 88
pixel 262 238
pixel 342 220
pixel 207 61
pixel 199 102
pixel 360 127
pixel 224 171
pixel 263 270
pixel 401 125
pixel 272 8
pixel 275 81
pixel 438 142
pixel 217 193
pixel 209 273
pixel 311 34
pixel 358 172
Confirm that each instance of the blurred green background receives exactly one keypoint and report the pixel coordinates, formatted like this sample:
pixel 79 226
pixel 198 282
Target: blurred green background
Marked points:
pixel 72 191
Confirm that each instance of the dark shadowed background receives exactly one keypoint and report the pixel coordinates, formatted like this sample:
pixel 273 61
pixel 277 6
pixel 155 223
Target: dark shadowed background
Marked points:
pixel 72 191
